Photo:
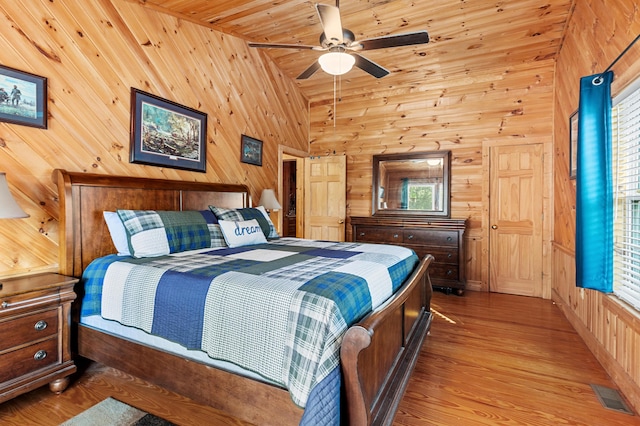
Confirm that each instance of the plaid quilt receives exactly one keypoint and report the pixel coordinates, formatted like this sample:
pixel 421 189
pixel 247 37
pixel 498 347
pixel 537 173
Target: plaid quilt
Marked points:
pixel 279 309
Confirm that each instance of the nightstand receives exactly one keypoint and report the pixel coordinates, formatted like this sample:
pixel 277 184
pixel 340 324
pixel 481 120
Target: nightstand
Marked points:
pixel 35 318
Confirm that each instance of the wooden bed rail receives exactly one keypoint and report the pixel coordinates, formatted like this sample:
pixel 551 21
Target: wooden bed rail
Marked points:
pixel 375 385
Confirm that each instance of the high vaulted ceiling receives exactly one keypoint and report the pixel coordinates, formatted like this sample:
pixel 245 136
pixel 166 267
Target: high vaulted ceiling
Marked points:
pixel 467 36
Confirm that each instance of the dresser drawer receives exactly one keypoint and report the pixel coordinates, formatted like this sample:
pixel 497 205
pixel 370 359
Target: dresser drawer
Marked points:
pixel 430 237
pixel 30 358
pixel 444 271
pixel 378 235
pixel 28 328
pixel 441 254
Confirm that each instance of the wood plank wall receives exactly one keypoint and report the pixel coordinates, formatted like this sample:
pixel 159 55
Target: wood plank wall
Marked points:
pixel 92 53
pixel 465 112
pixel 597 33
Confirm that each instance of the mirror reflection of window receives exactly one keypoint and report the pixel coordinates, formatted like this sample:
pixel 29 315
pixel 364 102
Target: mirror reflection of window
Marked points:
pixel 422 196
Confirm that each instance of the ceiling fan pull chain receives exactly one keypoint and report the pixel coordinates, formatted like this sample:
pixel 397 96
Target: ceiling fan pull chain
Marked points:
pixel 335 103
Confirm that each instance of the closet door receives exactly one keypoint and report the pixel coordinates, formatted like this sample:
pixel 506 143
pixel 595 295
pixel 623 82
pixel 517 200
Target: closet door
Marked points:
pixel 515 220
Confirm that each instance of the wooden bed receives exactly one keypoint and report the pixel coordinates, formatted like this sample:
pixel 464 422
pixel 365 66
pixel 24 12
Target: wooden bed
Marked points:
pixel 377 355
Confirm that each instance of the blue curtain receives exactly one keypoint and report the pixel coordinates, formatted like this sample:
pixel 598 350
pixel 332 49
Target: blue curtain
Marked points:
pixel 594 188
pixel 404 194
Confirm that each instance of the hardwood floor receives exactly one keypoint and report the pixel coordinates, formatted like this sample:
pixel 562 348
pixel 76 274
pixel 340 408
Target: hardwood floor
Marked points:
pixel 497 359
pixel 491 359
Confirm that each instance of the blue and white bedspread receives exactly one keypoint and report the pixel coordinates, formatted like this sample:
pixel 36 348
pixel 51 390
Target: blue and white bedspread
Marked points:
pixel 279 309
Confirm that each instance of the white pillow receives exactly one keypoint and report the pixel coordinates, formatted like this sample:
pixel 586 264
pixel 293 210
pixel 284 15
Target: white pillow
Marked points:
pixel 243 233
pixel 117 232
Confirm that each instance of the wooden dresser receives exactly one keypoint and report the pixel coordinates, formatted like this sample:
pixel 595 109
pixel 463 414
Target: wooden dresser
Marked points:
pixel 443 238
pixel 34 333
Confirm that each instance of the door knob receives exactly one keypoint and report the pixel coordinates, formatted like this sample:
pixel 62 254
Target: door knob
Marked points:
pixel 494 226
pixel 340 221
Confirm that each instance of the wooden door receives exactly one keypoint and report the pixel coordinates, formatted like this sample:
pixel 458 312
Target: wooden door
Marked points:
pixel 325 183
pixel 515 219
pixel 289 195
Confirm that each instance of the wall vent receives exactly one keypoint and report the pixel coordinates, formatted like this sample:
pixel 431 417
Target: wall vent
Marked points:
pixel 611 399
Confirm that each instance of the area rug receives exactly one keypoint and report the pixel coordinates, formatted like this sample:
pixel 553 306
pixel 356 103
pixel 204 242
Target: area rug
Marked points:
pixel 112 412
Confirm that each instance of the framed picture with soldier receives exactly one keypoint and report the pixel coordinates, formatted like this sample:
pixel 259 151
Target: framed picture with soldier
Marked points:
pixel 23 98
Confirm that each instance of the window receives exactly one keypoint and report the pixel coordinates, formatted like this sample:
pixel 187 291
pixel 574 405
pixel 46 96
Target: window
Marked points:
pixel 626 175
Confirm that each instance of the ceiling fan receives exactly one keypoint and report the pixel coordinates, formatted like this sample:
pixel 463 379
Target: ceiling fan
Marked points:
pixel 341 45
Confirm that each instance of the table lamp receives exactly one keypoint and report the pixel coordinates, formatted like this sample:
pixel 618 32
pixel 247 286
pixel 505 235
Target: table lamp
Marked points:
pixel 269 201
pixel 9 209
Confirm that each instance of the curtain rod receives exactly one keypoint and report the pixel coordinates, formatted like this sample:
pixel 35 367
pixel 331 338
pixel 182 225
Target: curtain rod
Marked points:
pixel 599 78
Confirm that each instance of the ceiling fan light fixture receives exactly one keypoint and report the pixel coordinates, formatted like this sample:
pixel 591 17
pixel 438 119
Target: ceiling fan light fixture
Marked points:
pixel 336 63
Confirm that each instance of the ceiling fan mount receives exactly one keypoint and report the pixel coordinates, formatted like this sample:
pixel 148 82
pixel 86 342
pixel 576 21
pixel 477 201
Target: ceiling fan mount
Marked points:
pixel 337 39
pixel 348 38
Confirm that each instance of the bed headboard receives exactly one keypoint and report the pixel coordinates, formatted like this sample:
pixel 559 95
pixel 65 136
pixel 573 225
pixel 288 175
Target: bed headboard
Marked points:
pixel 83 197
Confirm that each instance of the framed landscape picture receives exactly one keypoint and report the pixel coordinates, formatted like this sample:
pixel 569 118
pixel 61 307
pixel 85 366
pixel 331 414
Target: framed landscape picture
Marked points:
pixel 164 133
pixel 251 150
pixel 23 98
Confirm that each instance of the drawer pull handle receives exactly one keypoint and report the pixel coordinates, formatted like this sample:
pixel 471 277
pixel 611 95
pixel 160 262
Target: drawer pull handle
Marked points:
pixel 449 239
pixel 40 355
pixel 362 234
pixel 449 272
pixel 40 325
pixel 449 255
pixel 395 235
pixel 5 305
pixel 411 237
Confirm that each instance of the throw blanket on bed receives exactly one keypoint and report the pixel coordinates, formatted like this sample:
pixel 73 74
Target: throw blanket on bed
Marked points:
pixel 279 309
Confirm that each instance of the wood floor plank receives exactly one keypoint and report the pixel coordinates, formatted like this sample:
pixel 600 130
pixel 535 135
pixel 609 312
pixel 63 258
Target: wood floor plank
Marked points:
pixel 490 359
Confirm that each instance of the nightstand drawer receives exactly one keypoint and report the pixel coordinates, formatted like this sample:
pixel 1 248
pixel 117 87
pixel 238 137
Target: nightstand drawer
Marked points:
pixel 31 358
pixel 378 235
pixel 28 328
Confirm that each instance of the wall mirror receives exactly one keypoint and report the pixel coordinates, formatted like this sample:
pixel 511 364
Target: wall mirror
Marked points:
pixel 412 184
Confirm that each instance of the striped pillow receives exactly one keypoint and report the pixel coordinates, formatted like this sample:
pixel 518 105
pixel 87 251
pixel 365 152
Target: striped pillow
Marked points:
pixel 153 233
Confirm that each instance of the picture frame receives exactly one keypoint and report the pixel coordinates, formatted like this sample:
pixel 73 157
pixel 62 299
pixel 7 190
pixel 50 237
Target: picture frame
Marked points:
pixel 23 98
pixel 573 145
pixel 164 133
pixel 251 150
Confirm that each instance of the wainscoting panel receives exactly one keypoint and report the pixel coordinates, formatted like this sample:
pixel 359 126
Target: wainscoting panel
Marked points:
pixel 610 328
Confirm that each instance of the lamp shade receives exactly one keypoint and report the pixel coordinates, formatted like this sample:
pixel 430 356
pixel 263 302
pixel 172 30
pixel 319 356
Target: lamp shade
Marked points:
pixel 9 209
pixel 336 63
pixel 268 200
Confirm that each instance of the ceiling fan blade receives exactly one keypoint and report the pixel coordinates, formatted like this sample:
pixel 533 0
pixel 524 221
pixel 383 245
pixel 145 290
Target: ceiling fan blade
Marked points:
pixel 408 39
pixel 285 46
pixel 369 66
pixel 309 71
pixel 331 23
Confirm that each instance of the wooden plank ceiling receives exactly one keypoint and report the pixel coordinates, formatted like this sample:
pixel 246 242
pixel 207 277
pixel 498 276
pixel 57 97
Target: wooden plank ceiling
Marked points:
pixel 465 35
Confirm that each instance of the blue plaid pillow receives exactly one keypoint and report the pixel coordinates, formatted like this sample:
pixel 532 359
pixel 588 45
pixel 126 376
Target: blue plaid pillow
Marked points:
pixel 258 213
pixel 156 233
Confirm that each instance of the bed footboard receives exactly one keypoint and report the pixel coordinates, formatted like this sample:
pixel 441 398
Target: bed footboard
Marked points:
pixel 379 353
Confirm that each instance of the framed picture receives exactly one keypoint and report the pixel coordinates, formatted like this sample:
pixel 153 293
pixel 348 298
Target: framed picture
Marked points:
pixel 573 145
pixel 164 133
pixel 23 98
pixel 251 150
